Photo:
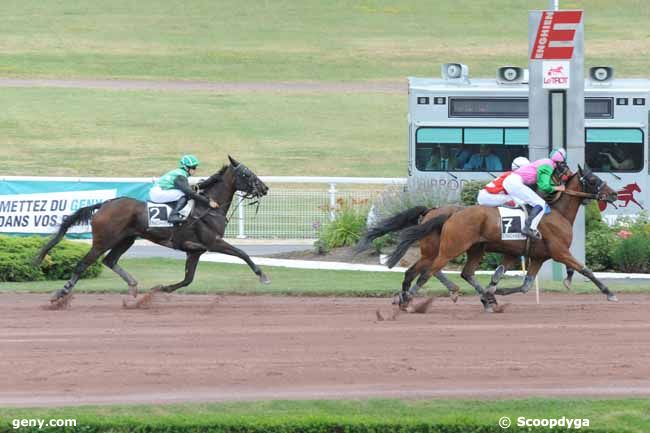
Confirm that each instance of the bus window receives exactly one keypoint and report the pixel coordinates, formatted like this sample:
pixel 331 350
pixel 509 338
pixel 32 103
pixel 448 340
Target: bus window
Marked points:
pixel 469 149
pixel 614 149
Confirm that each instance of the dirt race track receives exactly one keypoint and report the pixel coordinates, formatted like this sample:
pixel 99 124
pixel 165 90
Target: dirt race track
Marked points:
pixel 207 348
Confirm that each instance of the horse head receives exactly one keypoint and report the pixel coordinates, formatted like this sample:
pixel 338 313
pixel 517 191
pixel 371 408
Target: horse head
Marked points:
pixel 246 181
pixel 592 184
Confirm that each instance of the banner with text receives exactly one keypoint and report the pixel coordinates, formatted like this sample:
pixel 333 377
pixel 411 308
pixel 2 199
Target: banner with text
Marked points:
pixel 39 206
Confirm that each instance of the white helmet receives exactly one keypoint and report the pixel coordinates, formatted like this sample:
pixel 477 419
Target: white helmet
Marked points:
pixel 519 162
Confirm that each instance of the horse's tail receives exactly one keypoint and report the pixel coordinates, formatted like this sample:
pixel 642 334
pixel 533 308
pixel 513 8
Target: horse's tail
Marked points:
pixel 404 219
pixel 413 234
pixel 81 216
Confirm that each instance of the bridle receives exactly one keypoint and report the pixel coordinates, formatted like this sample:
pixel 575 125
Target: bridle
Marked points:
pixel 241 172
pixel 598 195
pixel 245 173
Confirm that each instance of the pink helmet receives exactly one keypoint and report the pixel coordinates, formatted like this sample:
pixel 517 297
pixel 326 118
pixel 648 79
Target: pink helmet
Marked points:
pixel 558 155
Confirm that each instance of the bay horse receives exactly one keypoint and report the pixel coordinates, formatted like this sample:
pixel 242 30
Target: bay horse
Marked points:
pixel 475 230
pixel 117 223
pixel 429 246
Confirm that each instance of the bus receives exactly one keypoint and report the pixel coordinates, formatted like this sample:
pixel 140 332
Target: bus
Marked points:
pixel 462 130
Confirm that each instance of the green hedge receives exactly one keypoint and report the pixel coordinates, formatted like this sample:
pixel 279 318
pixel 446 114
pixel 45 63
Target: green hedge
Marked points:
pixel 17 253
pixel 624 247
pixel 470 192
pixel 345 230
pixel 306 426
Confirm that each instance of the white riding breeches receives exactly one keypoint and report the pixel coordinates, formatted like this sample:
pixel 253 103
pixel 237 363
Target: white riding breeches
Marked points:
pixel 515 186
pixel 159 195
pixel 488 199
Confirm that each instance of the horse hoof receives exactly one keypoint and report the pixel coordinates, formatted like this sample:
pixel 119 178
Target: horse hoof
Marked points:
pixel 454 296
pixel 264 279
pixel 567 283
pixel 422 307
pixel 61 303
pixel 133 291
pixel 612 298
pixel 488 309
pixel 57 295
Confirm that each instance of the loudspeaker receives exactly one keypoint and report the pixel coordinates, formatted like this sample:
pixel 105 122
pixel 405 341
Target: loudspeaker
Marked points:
pixel 512 75
pixel 601 75
pixel 455 72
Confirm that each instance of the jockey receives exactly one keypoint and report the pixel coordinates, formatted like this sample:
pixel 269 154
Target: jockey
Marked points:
pixel 493 193
pixel 173 186
pixel 536 173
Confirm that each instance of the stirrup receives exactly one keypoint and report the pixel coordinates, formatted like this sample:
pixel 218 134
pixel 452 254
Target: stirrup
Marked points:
pixel 176 222
pixel 533 234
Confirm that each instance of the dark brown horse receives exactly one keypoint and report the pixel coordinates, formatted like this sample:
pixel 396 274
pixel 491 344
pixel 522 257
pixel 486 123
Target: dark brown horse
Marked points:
pixel 117 223
pixel 478 231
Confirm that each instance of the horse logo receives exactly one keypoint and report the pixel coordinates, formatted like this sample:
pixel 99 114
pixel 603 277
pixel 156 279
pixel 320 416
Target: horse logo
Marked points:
pixel 556 71
pixel 626 195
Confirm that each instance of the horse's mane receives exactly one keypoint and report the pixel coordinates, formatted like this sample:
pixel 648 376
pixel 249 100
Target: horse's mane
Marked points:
pixel 214 178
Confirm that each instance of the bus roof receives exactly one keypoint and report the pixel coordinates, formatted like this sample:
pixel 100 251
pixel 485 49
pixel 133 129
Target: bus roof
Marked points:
pixel 437 84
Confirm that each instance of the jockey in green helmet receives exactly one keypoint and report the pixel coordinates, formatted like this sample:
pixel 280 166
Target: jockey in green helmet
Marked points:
pixel 174 186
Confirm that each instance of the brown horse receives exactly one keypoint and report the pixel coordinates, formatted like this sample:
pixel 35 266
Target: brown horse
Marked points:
pixel 429 246
pixel 117 223
pixel 476 229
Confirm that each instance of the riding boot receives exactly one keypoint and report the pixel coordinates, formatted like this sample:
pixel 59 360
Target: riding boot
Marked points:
pixel 532 233
pixel 175 216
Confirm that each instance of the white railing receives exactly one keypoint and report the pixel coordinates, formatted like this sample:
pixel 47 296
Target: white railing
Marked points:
pixel 297 207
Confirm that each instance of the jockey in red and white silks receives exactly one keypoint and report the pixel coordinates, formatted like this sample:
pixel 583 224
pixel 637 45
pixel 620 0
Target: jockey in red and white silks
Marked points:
pixel 493 194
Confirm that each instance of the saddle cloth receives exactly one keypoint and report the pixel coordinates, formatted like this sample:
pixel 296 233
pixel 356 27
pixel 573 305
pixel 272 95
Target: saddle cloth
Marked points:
pixel 511 221
pixel 159 213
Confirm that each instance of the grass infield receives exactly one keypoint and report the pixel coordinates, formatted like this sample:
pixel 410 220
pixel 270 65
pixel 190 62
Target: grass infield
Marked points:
pixel 238 279
pixel 68 132
pixel 219 40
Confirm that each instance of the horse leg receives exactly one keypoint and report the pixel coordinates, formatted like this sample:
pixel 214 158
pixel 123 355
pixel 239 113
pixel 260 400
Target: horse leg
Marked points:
pixel 410 274
pixel 429 247
pixel 438 263
pixel 111 262
pixel 223 247
pixel 83 264
pixel 421 267
pixel 474 257
pixel 191 262
pixel 569 278
pixel 508 262
pixel 567 258
pixel 531 273
pixel 452 287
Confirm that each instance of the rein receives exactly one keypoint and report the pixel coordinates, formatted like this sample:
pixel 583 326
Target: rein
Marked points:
pixel 580 194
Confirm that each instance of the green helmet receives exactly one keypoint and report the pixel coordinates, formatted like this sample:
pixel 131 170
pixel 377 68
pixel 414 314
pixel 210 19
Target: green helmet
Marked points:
pixel 189 161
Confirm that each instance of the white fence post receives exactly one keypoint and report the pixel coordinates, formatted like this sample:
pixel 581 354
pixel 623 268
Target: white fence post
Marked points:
pixel 240 215
pixel 332 192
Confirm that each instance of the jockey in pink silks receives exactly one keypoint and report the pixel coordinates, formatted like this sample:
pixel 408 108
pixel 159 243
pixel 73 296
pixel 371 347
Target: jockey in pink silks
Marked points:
pixel 515 185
